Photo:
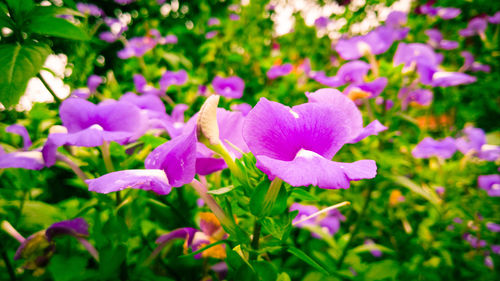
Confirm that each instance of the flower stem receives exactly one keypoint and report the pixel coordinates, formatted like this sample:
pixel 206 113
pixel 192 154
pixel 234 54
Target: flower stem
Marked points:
pixel 56 98
pixel 356 228
pixel 10 269
pixel 255 238
pixel 9 229
pixel 76 169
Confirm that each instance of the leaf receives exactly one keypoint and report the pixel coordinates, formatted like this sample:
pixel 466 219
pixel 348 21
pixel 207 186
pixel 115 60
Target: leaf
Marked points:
pixel 221 190
pixel 57 27
pixel 20 9
pixel 19 63
pixel 65 268
pixel 303 195
pixel 304 257
pixel 426 193
pixel 261 207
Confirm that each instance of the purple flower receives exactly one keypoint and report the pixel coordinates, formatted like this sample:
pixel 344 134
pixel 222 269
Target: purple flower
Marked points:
pixel 213 21
pixel 244 108
pixel 211 34
pixel 211 231
pixel 421 97
pixel 231 87
pixel 147 179
pixel 38 248
pixel 279 70
pixel 329 96
pixel 328 225
pixel 489 152
pixel 429 147
pixel 450 79
pixel 493 227
pixel 474 241
pixel 490 183
pixel 350 72
pixel 396 19
pixel 175 121
pixel 366 89
pixel 473 140
pixel 376 42
pixel 234 17
pixel 169 39
pixel 488 261
pixel 93 82
pixel 21 131
pixel 420 55
pixel 495 249
pixel 90 125
pixel 475 26
pixel 321 22
pixel 89 9
pixel 177 158
pixel 447 13
pixel 470 64
pixel 230 130
pixel 371 129
pixel 31 160
pixel 381 101
pixel 170 78
pixel 375 252
pixel 141 85
pixel 137 47
pixel 436 40
pixel 296 144
pixel 124 2
pixel 495 19
pixel 82 93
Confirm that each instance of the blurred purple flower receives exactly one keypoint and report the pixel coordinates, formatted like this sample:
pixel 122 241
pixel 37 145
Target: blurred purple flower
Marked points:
pixel 490 183
pixel 381 101
pixel 473 140
pixel 279 70
pixel 493 227
pixel 448 13
pixel 495 19
pixel 93 82
pixel 296 144
pixel 231 87
pixel 170 78
pixel 124 2
pixel 474 241
pixel 429 147
pixel 83 93
pixel 244 108
pixel 470 64
pixel 369 89
pixel 141 85
pixel 24 158
pixel 450 79
pixel 420 55
pixel 211 34
pixel 22 132
pixel 488 261
pixel 89 9
pixel 213 21
pixel 376 42
pixel 234 17
pixel 328 224
pixel 437 42
pixel 396 19
pixel 495 249
pixel 137 47
pixel 475 26
pixel 375 252
pixel 321 22
pixel 421 97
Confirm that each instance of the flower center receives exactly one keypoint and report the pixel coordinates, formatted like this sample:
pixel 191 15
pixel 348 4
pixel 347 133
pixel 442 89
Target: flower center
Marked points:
pixel 97 127
pixel 307 154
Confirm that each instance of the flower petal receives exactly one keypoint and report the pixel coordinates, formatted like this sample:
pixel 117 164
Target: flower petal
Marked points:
pixel 149 179
pixel 20 130
pixel 77 227
pixel 177 158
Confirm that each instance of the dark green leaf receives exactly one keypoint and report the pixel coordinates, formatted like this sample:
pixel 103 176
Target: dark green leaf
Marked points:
pixel 19 63
pixel 57 27
pixel 303 256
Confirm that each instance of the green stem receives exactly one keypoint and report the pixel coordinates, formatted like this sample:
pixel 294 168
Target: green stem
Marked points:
pixel 56 98
pixel 10 269
pixel 356 228
pixel 255 239
pixel 106 157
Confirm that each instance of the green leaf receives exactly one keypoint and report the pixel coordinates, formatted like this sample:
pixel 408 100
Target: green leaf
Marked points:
pixel 20 9
pixel 18 64
pixel 304 257
pixel 280 227
pixel 426 193
pixel 261 207
pixel 265 271
pixel 65 268
pixel 302 194
pixel 57 27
